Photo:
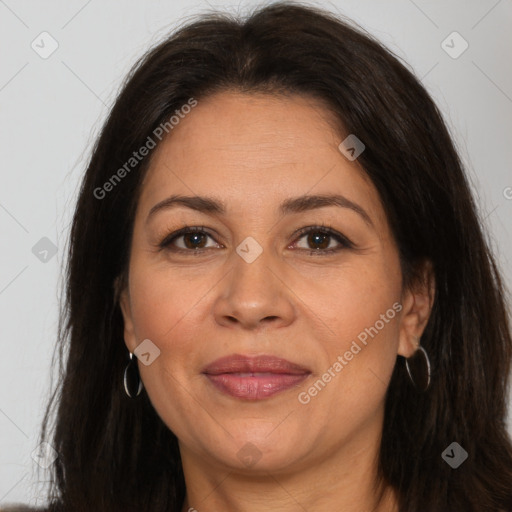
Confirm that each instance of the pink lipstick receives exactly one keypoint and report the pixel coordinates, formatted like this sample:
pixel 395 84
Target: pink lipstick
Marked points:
pixel 254 378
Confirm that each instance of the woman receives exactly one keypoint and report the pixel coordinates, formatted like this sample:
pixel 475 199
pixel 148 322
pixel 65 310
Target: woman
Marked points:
pixel 279 295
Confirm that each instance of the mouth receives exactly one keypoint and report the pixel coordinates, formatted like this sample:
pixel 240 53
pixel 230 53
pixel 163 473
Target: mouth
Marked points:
pixel 254 378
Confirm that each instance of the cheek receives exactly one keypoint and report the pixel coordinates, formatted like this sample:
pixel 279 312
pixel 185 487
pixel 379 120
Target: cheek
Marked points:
pixel 171 307
pixel 353 297
pixel 359 351
pixel 163 299
pixel 163 308
pixel 359 310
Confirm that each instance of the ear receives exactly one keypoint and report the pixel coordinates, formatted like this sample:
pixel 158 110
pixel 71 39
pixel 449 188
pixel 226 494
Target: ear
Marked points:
pixel 123 295
pixel 417 302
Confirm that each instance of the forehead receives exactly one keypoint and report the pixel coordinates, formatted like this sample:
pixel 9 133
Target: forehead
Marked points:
pixel 249 129
pixel 255 148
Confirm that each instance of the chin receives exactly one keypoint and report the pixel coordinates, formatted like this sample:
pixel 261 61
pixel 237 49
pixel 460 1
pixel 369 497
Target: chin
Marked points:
pixel 257 447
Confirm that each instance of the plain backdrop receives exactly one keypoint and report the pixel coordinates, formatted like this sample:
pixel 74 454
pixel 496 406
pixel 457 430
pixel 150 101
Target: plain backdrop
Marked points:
pixel 51 109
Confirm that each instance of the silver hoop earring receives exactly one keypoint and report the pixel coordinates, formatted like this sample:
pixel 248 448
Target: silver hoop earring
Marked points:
pixel 418 368
pixel 131 379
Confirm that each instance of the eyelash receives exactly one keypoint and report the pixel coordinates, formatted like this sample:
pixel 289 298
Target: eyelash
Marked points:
pixel 324 229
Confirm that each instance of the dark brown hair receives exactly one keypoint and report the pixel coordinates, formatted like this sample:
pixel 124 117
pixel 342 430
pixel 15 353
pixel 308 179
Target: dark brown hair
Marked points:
pixel 116 454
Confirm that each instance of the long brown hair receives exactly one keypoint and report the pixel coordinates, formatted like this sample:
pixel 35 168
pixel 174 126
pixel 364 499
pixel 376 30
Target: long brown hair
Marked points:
pixel 116 454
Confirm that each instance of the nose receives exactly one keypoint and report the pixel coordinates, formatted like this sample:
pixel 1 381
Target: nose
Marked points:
pixel 254 295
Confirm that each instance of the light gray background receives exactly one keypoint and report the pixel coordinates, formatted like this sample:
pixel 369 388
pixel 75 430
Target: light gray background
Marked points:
pixel 52 109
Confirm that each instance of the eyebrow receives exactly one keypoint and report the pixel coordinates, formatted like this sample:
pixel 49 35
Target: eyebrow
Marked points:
pixel 293 205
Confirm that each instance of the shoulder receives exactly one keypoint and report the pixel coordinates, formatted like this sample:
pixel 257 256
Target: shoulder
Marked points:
pixel 18 507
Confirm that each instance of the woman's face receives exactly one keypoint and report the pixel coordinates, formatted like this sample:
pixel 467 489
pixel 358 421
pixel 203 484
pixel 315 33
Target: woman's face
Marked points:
pixel 250 283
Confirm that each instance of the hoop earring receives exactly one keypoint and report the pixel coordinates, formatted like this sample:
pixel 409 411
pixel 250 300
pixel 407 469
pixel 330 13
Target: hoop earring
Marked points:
pixel 131 378
pixel 420 363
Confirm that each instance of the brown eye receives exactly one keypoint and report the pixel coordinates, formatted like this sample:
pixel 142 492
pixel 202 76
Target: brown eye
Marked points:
pixel 317 240
pixel 322 240
pixel 194 240
pixel 188 239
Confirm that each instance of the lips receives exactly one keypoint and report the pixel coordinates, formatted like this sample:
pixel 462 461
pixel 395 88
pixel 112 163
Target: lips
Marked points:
pixel 254 378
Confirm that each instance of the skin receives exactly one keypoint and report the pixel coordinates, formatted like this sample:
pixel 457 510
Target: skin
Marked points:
pixel 253 152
